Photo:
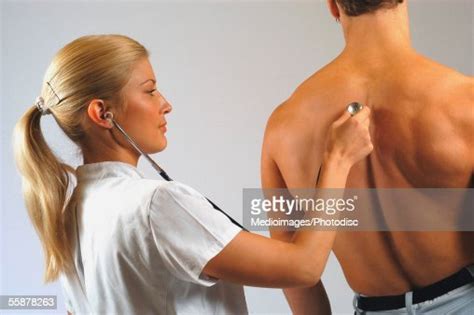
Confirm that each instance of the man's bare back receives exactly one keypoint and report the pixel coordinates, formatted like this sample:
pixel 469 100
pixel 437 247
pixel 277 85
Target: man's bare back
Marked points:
pixel 422 127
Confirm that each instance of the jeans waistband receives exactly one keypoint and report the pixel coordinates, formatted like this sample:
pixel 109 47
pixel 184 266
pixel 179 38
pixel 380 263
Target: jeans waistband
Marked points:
pixel 384 303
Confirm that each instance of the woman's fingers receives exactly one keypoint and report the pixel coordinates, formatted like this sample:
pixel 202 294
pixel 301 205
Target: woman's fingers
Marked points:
pixel 343 118
pixel 363 115
pixel 349 136
pixel 366 123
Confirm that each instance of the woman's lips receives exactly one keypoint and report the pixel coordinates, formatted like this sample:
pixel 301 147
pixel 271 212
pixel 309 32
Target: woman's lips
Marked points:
pixel 163 127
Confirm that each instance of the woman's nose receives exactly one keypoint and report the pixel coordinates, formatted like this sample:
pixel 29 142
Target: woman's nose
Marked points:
pixel 166 106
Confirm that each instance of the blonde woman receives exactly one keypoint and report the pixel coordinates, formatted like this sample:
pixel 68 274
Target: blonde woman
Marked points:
pixel 124 244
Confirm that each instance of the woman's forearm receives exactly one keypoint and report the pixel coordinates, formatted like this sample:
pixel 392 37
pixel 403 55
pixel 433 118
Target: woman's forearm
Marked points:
pixel 251 259
pixel 334 172
pixel 314 246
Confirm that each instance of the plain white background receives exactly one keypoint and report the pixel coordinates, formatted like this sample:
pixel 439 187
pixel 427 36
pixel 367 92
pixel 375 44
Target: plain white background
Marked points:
pixel 224 65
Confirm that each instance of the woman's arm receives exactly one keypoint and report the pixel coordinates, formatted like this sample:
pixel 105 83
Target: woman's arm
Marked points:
pixel 255 260
pixel 251 259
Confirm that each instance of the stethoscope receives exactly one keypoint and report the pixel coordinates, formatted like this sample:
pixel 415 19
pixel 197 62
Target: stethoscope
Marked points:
pixel 110 117
pixel 352 108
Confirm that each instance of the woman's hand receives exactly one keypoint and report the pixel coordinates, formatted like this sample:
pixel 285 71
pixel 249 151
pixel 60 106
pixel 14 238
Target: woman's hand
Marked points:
pixel 348 138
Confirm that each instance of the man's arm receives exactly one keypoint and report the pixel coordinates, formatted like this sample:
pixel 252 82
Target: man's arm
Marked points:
pixel 291 157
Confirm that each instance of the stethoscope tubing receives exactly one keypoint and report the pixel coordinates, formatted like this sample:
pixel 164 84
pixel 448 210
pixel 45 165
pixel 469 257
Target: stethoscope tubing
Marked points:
pixel 109 116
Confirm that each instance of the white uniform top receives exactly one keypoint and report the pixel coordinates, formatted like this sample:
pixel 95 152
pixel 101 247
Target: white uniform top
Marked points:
pixel 143 244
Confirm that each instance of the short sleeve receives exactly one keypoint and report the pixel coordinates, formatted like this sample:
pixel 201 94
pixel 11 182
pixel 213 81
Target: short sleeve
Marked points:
pixel 67 300
pixel 187 231
pixel 68 305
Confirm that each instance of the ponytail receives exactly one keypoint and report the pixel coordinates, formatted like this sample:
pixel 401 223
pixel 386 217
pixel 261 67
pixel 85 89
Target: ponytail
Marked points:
pixel 45 183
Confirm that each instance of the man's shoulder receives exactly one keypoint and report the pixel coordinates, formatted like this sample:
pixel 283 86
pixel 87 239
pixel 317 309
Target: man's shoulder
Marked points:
pixel 449 95
pixel 308 96
pixel 305 115
pixel 286 126
pixel 438 79
pixel 445 121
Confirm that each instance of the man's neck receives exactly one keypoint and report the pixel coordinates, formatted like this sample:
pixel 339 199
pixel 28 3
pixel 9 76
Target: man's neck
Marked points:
pixel 378 37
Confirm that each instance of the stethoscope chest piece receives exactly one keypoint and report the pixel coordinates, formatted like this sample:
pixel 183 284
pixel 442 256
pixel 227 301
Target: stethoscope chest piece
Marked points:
pixel 354 108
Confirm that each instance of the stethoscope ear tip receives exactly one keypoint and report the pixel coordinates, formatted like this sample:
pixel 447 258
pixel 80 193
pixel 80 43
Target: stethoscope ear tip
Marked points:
pixel 108 116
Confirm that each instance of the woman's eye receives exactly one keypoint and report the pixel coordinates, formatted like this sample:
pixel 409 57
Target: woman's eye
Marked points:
pixel 151 92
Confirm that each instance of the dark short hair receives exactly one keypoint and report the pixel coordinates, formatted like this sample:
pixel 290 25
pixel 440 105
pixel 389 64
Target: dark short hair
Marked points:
pixel 358 7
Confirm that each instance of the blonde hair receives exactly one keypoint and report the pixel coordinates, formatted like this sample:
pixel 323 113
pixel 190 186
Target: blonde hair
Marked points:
pixel 90 67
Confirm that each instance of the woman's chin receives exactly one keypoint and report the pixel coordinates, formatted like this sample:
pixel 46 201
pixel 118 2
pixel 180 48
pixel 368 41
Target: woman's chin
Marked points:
pixel 161 146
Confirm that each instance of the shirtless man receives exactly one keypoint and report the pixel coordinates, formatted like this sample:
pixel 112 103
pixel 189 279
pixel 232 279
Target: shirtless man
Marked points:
pixel 422 128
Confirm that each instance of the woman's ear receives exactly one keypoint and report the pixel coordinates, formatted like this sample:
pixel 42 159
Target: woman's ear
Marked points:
pixel 96 111
pixel 334 9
